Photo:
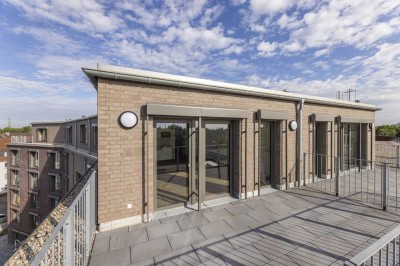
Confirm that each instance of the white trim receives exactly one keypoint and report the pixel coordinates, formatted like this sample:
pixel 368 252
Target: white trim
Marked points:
pixel 107 226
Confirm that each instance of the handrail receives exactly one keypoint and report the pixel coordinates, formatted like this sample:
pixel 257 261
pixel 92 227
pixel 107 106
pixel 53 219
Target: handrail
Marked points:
pixel 377 247
pixel 66 235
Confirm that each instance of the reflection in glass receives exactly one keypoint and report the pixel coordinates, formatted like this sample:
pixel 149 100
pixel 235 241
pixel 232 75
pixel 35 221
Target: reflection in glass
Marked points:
pixel 265 154
pixel 217 159
pixel 350 145
pixel 172 164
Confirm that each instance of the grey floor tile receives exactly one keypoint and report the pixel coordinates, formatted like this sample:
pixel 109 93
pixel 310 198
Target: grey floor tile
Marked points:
pixel 240 221
pixel 273 247
pixel 262 215
pixel 267 229
pixel 192 221
pixel 128 239
pixel 150 249
pixel 310 255
pixel 117 257
pixel 238 208
pixel 173 218
pixel 247 255
pixel 215 229
pixel 112 232
pixel 217 215
pixel 143 225
pixel 217 261
pixel 242 237
pixel 184 256
pixel 162 230
pixel 298 236
pixel 101 245
pixel 211 248
pixel 185 238
pixel 146 262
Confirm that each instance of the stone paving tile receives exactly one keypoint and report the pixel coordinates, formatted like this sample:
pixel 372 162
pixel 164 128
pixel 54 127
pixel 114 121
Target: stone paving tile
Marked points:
pixel 128 239
pixel 217 261
pixel 143 225
pixel 273 247
pixel 146 262
pixel 262 215
pixel 184 256
pixel 149 249
pixel 173 218
pixel 239 221
pixel 236 209
pixel 247 255
pixel 310 255
pixel 242 237
pixel 117 257
pixel 192 221
pixel 267 229
pixel 217 215
pixel 290 222
pixel 101 245
pixel 215 229
pixel 297 236
pixel 107 234
pixel 162 230
pixel 185 238
pixel 211 248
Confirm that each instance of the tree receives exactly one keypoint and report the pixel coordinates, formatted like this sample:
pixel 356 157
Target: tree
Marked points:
pixel 26 129
pixel 388 130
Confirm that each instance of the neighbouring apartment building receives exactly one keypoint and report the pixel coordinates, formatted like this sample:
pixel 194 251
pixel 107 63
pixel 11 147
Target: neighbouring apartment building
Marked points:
pixel 169 141
pixel 42 171
pixel 3 162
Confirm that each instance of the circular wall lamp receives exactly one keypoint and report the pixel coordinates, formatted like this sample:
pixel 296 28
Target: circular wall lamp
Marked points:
pixel 128 120
pixel 292 125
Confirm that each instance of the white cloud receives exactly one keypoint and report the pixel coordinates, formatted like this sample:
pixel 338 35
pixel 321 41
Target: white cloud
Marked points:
pixel 88 15
pixel 267 48
pixel 262 7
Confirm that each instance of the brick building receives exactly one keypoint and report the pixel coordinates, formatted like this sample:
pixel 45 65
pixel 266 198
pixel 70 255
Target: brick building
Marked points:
pixel 198 140
pixel 42 171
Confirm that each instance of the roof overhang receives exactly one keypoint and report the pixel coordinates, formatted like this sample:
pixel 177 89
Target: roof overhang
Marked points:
pixel 149 77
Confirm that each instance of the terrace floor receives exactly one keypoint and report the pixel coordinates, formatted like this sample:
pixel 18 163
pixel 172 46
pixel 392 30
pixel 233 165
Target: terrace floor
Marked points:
pixel 300 226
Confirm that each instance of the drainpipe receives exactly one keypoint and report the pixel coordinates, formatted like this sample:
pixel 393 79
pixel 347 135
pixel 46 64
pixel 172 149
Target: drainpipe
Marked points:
pixel 299 140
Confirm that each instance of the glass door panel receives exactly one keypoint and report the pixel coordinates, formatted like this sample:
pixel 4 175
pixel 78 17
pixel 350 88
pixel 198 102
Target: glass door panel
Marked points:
pixel 266 154
pixel 172 163
pixel 217 161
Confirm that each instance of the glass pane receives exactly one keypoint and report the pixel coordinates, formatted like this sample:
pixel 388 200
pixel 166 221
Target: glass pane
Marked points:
pixel 172 164
pixel 265 153
pixel 217 159
pixel 354 145
pixel 346 154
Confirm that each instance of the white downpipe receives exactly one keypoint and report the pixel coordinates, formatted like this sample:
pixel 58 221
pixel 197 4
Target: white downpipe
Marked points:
pixel 299 138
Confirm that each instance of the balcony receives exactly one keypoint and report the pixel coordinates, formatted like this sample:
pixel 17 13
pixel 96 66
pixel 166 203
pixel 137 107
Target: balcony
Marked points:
pixel 310 225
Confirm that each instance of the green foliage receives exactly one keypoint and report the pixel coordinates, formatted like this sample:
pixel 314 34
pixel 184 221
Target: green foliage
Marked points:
pixel 26 129
pixel 388 130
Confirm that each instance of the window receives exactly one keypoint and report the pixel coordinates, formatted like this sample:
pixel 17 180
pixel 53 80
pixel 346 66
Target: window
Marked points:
pixel 14 197
pixel 34 199
pixel 94 138
pixel 33 159
pixel 53 202
pixel 15 215
pixel 15 177
pixel 35 220
pixel 68 134
pixel 67 163
pixel 14 158
pixel 33 180
pixel 41 134
pixel 82 131
pixel 55 184
pixel 54 160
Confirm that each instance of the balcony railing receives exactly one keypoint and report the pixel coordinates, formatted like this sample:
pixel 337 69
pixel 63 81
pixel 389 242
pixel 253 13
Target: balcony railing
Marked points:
pixel 65 236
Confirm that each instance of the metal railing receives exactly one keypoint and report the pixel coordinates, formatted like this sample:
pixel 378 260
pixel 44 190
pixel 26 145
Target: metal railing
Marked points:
pixel 66 235
pixel 385 251
pixel 372 182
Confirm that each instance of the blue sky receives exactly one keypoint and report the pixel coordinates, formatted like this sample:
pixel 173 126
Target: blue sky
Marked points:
pixel 304 46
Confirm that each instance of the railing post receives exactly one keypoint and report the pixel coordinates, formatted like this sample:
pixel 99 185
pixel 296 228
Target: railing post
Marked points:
pixel 337 175
pixel 304 167
pixel 69 244
pixel 397 156
pixel 384 186
pixel 88 221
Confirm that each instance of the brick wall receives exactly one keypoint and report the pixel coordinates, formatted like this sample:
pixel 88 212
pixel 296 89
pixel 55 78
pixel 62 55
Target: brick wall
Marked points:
pixel 123 166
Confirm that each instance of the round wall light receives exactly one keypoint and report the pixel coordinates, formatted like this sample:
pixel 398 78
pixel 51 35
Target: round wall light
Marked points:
pixel 128 120
pixel 292 125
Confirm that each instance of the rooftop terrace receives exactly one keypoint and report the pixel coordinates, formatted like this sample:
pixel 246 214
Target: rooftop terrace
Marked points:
pixel 294 227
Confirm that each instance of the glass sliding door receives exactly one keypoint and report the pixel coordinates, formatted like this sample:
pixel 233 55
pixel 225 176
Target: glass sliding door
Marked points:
pixel 350 145
pixel 172 163
pixel 217 161
pixel 266 154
